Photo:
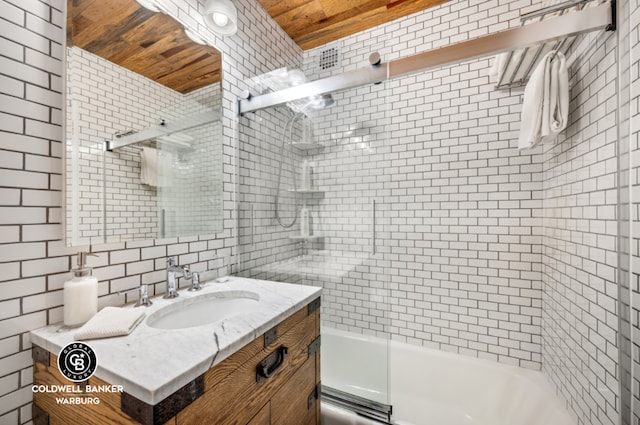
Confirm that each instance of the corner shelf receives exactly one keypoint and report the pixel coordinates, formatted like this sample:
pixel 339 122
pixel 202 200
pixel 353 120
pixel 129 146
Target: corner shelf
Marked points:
pixel 306 238
pixel 309 191
pixel 305 146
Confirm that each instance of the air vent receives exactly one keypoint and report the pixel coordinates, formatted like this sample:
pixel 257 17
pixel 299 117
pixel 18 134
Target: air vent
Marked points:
pixel 329 58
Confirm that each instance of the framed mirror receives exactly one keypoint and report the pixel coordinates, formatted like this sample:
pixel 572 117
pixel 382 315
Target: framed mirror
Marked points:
pixel 143 128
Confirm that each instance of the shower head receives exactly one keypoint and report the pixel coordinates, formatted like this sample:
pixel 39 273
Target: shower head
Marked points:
pixel 321 102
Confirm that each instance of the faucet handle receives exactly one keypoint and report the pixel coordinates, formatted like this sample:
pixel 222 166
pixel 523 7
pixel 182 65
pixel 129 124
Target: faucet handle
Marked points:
pixel 171 261
pixel 144 296
pixel 195 282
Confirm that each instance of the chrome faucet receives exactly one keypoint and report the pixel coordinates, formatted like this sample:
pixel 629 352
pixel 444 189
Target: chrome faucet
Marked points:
pixel 144 296
pixel 172 269
pixel 195 282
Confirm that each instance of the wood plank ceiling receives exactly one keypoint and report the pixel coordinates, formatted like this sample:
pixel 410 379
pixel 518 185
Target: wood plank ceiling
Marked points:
pixel 155 45
pixel 148 43
pixel 312 23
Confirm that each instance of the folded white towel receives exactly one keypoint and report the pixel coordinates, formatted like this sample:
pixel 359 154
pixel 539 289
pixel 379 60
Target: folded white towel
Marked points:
pixel 155 167
pixel 545 107
pixel 149 166
pixel 109 322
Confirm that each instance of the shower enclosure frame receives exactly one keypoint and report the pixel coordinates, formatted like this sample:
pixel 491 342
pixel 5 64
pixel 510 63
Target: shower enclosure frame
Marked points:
pixel 601 17
pixel 575 23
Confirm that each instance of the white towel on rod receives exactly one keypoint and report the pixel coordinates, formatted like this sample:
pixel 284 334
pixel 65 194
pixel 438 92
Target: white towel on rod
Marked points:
pixel 545 108
pixel 155 167
pixel 149 166
pixel 110 322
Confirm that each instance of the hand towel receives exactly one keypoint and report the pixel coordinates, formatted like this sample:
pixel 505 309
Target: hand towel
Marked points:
pixel 109 322
pixel 149 166
pixel 545 108
pixel 155 167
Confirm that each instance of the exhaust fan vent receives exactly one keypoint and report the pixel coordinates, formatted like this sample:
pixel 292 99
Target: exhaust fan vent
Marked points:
pixel 329 58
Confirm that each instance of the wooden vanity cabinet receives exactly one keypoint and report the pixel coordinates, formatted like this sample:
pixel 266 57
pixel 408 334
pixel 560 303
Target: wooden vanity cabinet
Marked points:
pixel 272 380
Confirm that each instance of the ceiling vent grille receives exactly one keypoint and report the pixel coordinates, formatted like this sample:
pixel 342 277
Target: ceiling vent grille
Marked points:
pixel 328 58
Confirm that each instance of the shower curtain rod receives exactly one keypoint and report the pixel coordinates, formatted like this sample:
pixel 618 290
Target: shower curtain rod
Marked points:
pixel 571 24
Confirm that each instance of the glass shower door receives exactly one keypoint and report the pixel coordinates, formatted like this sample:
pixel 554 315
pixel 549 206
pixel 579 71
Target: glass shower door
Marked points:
pixel 326 230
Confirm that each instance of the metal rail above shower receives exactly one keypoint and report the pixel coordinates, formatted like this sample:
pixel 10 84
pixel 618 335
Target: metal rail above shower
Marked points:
pixel 571 24
pixel 518 64
pixel 163 129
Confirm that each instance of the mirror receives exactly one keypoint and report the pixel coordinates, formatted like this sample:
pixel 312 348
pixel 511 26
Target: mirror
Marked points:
pixel 138 85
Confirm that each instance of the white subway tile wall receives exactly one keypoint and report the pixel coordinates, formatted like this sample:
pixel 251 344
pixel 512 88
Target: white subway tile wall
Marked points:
pixel 34 262
pixel 634 284
pixel 487 251
pixel 579 243
pixel 105 100
pixel 459 220
pixel 502 254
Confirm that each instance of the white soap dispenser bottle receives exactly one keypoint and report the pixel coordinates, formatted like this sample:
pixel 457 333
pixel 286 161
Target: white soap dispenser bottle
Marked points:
pixel 80 294
pixel 306 182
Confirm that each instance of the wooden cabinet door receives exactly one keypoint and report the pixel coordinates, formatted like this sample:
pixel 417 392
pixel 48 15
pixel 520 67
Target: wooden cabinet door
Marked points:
pixel 263 417
pixel 290 405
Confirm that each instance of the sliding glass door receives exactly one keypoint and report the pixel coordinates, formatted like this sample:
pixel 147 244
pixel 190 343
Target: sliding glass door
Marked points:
pixel 314 186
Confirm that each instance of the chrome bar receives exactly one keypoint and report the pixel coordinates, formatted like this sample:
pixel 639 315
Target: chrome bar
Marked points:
pixel 373 226
pixel 252 227
pixel 506 64
pixel 533 61
pixel 523 56
pixel 362 406
pixel 348 80
pixel 163 129
pixel 553 8
pixel 586 20
pixel 163 230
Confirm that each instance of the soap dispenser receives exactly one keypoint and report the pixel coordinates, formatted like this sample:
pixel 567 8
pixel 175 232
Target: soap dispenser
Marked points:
pixel 80 294
pixel 306 182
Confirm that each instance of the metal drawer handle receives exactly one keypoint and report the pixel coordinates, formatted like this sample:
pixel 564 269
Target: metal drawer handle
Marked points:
pixel 271 364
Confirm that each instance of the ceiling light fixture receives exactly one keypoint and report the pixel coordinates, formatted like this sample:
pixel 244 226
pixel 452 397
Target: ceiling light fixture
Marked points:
pixel 221 16
pixel 152 5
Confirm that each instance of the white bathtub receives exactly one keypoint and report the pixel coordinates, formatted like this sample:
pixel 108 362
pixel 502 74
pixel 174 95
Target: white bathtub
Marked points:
pixel 430 387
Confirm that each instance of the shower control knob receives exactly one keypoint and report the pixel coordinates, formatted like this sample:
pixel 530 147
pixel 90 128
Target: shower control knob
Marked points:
pixel 374 59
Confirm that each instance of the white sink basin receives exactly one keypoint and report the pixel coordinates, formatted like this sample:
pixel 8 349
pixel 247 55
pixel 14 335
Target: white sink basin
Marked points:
pixel 203 310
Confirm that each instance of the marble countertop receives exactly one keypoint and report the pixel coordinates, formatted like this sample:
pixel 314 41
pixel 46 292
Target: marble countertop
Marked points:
pixel 152 364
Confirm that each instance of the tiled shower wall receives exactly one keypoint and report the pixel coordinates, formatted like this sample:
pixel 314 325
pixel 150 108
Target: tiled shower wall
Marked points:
pixel 511 255
pixel 459 208
pixel 634 284
pixel 579 244
pixel 264 160
pixel 34 261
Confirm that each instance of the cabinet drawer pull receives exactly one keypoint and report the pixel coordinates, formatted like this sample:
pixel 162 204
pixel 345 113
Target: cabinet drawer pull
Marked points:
pixel 268 366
